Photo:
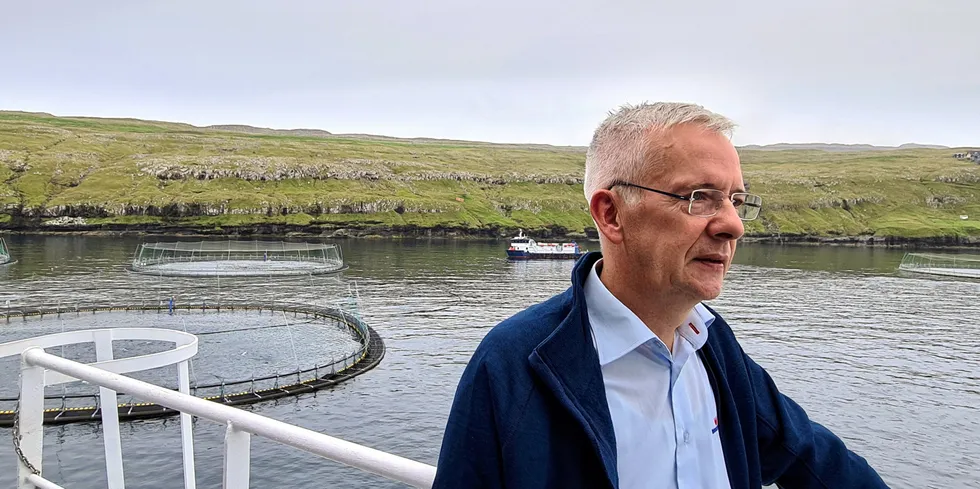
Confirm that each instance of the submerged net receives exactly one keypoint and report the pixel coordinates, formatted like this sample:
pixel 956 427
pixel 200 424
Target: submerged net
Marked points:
pixel 243 348
pixel 4 252
pixel 950 265
pixel 237 258
pixel 259 337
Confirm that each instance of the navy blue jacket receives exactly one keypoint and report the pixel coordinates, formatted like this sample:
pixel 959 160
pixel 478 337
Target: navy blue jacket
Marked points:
pixel 530 412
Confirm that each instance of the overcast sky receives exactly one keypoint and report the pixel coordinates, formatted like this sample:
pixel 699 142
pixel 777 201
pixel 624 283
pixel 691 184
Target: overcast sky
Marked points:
pixel 854 71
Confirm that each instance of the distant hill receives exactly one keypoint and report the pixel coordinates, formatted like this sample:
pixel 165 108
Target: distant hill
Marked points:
pixel 829 147
pixel 837 147
pixel 922 146
pixel 271 132
pixel 320 133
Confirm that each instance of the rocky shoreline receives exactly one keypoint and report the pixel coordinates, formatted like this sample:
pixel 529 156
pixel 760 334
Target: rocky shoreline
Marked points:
pixel 263 231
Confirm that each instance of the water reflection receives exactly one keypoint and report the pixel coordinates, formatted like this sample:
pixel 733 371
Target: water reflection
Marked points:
pixel 887 361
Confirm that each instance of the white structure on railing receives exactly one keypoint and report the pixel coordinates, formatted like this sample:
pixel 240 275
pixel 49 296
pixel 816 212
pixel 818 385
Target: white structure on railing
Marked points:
pixel 40 369
pixel 34 380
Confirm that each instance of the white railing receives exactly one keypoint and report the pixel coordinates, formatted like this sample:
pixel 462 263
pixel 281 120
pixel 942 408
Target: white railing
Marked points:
pixel 28 432
pixel 39 367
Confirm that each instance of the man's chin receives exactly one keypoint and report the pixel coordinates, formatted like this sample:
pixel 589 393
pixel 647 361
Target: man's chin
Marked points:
pixel 707 286
pixel 706 292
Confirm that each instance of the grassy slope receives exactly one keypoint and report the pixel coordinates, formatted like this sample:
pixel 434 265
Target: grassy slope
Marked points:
pixel 107 170
pixel 909 193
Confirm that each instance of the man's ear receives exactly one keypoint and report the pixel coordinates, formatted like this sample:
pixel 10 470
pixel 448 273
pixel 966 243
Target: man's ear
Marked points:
pixel 606 208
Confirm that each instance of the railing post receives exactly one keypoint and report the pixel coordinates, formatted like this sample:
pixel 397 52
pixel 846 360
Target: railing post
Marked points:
pixel 30 416
pixel 186 429
pixel 110 417
pixel 237 454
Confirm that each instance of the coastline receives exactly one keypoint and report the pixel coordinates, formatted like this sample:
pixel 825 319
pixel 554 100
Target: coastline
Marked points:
pixel 555 233
pixel 66 176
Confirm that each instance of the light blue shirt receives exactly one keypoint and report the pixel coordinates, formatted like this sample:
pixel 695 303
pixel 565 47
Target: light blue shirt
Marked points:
pixel 662 405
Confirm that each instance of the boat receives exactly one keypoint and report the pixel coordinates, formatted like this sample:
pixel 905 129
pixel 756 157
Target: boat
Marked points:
pixel 524 248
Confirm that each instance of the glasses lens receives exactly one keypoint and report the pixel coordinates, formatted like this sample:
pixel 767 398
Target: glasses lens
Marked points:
pixel 750 207
pixel 706 202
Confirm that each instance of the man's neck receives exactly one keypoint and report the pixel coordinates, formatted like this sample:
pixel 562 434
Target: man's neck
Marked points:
pixel 662 314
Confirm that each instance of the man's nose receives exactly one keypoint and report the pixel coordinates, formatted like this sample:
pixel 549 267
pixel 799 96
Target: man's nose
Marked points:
pixel 726 224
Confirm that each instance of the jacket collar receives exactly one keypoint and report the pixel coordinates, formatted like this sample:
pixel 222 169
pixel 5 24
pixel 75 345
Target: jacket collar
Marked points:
pixel 567 363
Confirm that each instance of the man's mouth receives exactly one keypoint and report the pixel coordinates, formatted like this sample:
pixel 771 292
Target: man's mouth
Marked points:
pixel 713 259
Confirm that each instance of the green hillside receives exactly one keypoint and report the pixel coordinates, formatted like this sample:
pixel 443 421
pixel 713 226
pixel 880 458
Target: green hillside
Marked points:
pixel 122 174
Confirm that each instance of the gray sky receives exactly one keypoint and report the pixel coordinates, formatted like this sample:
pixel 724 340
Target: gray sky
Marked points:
pixel 853 71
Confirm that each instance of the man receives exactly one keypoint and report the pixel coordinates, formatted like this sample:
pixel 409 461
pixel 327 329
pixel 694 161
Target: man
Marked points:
pixel 626 379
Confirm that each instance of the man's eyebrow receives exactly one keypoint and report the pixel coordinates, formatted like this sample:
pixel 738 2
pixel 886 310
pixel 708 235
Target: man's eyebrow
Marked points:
pixel 695 186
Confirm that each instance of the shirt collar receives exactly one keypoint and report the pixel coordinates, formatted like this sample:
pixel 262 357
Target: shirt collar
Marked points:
pixel 695 327
pixel 618 331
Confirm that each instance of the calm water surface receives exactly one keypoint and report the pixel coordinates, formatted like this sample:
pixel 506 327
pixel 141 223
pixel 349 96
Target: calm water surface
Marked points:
pixel 889 362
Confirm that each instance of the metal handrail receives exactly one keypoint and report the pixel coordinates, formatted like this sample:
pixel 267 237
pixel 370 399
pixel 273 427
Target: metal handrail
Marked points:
pixel 240 425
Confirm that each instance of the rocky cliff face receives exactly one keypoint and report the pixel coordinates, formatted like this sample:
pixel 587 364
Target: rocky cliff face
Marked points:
pixel 282 168
pixel 176 210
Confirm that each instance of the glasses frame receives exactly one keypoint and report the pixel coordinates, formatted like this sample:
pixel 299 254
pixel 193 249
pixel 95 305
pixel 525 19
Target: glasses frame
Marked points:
pixel 690 198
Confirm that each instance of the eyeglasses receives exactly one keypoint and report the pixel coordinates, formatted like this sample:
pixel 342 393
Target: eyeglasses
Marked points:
pixel 706 202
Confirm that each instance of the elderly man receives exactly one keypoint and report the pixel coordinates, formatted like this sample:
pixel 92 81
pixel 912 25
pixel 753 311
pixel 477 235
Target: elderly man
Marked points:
pixel 626 379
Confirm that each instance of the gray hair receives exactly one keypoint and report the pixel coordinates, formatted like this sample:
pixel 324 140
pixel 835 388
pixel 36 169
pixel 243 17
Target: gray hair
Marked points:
pixel 623 146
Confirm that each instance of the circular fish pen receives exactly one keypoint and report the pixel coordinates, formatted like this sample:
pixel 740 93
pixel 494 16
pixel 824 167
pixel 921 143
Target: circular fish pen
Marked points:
pixel 248 352
pixel 948 265
pixel 236 259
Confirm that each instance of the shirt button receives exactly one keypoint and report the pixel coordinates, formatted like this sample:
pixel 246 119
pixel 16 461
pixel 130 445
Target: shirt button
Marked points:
pixel 687 437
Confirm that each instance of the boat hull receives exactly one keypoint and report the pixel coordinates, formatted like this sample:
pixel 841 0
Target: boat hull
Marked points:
pixel 524 255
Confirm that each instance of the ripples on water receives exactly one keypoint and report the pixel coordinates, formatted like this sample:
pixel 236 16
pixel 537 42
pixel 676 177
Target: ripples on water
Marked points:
pixel 888 362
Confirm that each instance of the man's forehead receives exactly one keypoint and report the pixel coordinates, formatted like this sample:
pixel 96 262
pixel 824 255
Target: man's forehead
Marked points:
pixel 706 165
pixel 703 145
pixel 686 143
